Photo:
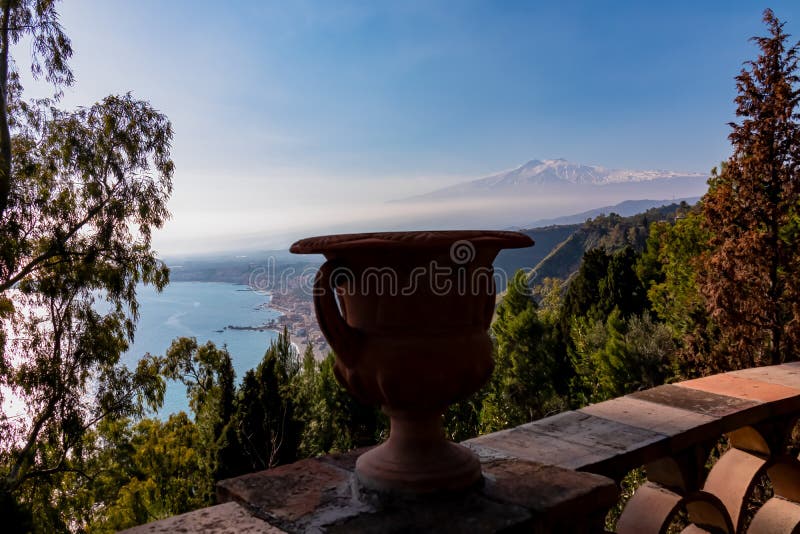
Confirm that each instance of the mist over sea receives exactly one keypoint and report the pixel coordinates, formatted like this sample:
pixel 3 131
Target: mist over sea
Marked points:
pixel 202 310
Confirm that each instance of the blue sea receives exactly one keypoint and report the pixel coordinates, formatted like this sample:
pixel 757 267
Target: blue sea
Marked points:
pixel 201 310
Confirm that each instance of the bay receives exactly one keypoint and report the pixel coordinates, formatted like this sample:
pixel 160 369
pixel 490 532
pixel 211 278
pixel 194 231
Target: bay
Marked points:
pixel 202 310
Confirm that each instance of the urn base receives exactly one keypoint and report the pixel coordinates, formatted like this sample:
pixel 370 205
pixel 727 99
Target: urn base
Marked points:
pixel 417 459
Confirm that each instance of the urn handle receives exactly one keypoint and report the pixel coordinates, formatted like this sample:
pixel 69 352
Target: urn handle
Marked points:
pixel 344 339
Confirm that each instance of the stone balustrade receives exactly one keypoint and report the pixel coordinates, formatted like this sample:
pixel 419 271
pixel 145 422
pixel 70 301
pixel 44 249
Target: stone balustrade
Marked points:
pixel 562 473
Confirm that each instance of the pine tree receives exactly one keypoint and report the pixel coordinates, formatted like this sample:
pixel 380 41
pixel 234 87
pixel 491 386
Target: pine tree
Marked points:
pixel 268 429
pixel 751 277
pixel 521 388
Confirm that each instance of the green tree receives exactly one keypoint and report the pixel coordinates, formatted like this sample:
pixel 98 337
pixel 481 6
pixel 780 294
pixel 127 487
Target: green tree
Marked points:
pixel 618 356
pixel 268 427
pixel 605 281
pixel 147 471
pixel 583 293
pixel 521 388
pixel 333 420
pixel 751 277
pixel 80 194
pixel 670 267
pixel 207 372
pixel 621 288
pixel 51 52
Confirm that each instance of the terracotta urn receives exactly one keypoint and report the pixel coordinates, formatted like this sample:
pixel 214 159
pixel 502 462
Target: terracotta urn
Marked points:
pixel 407 315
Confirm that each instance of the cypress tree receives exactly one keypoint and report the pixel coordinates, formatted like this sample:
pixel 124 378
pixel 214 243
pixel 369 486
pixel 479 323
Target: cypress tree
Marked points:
pixel 751 276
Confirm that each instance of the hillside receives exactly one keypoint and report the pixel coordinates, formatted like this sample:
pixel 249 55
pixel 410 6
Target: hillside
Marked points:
pixel 626 208
pixel 546 239
pixel 562 259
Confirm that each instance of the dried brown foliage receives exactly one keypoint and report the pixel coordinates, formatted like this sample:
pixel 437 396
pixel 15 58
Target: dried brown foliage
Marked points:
pixel 751 277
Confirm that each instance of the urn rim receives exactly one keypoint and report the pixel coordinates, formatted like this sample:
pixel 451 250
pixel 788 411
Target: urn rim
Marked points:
pixel 426 239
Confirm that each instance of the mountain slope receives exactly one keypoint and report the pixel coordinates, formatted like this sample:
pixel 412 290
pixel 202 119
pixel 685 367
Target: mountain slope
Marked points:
pixel 545 239
pixel 562 259
pixel 625 208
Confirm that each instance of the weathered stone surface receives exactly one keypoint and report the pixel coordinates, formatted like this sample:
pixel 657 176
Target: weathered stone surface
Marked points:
pixel 733 412
pixel 291 496
pixel 780 399
pixel 740 387
pixel 516 495
pixel 343 460
pixel 550 491
pixel 785 375
pixel 317 495
pixel 456 513
pixel 580 441
pixel 228 518
pixel 684 427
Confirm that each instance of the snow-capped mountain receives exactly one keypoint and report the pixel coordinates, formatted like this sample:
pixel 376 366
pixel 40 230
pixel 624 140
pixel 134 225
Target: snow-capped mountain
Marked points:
pixel 539 189
pixel 546 175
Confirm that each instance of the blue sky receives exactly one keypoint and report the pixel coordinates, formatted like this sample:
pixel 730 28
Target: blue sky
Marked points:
pixel 289 114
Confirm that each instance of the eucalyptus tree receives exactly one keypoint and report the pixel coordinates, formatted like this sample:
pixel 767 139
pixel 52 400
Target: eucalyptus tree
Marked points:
pixel 80 195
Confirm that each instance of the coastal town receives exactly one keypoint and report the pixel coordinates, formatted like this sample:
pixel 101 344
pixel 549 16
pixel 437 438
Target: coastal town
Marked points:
pixel 291 298
pixel 297 317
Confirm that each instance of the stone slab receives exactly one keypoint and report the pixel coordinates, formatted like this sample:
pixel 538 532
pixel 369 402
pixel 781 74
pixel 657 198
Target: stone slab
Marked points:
pixel 343 460
pixel 779 398
pixel 549 490
pixel 468 512
pixel 515 496
pixel 535 447
pixel 228 518
pixel 684 427
pixel 785 375
pixel 293 494
pixel 575 440
pixel 318 495
pixel 733 412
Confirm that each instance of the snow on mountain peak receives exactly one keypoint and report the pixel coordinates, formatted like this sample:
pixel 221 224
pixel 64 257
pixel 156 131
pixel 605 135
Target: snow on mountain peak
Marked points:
pixel 552 171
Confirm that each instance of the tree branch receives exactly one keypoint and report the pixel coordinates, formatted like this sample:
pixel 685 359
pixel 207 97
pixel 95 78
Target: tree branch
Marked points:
pixel 53 250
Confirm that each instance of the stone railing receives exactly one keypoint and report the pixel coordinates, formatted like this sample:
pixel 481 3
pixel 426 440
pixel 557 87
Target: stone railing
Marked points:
pixel 562 473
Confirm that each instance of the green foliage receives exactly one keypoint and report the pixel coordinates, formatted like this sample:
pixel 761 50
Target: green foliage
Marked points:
pixel 209 377
pixel 605 281
pixel 583 294
pixel 674 252
pixel 147 471
pixel 282 411
pixel 521 388
pixel 268 431
pixel 333 419
pixel 606 327
pixel 618 356
pixel 80 194
pixel 609 233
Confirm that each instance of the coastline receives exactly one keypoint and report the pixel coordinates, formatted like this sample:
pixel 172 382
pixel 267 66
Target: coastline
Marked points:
pixel 297 318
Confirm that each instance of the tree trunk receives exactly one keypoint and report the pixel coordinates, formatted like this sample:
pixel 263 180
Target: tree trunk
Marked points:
pixel 5 134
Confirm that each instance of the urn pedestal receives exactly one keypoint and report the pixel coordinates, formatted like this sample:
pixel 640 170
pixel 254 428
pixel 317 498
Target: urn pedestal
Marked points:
pixel 407 315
